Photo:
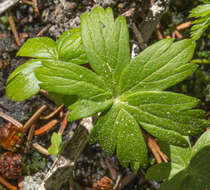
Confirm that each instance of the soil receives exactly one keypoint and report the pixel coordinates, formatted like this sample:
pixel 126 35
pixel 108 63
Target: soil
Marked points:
pixel 59 16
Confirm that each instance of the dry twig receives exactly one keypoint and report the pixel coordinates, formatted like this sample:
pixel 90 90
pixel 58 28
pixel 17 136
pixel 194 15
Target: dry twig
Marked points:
pixel 42 31
pixel 183 25
pixel 33 118
pixel 150 142
pixel 46 127
pixel 27 2
pixel 35 6
pixel 14 31
pixel 159 34
pixel 51 115
pixel 11 120
pixel 45 94
pixel 29 138
pixel 125 180
pixel 158 154
pixel 178 34
pixel 41 149
pixel 63 124
pixel 7 184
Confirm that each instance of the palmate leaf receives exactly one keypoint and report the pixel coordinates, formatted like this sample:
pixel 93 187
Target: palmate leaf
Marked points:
pixel 127 92
pixel 188 168
pixel 22 83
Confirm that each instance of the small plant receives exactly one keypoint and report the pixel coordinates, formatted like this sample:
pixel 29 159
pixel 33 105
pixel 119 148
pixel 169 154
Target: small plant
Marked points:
pixel 127 92
pixel 56 141
pixel 188 168
pixel 202 22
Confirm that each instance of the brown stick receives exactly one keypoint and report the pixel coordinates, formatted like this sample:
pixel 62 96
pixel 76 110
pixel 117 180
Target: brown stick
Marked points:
pixel 150 142
pixel 52 114
pixel 14 31
pixel 63 124
pixel 29 138
pixel 33 118
pixel 45 94
pixel 138 36
pixel 168 36
pixel 42 31
pixel 7 184
pixel 183 25
pixel 35 6
pixel 41 149
pixel 162 155
pixel 178 34
pixel 159 34
pixel 158 154
pixel 45 127
pixel 11 120
pixel 27 2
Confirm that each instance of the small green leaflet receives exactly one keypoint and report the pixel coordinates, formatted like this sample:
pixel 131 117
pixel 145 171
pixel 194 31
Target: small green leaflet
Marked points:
pixel 202 22
pixel 56 141
pixel 127 92
pixel 22 83
pixel 189 167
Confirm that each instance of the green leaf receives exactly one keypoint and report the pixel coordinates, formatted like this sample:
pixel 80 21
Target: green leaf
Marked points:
pixel 56 141
pixel 199 27
pixel 159 172
pixel 203 141
pixel 69 79
pixel 189 168
pixel 176 183
pixel 86 108
pixel 164 114
pixel 70 47
pixel 126 92
pixel 160 66
pixel 104 130
pixel 106 43
pixel 198 170
pixel 202 22
pixel 200 11
pixel 130 141
pixel 118 129
pixel 41 47
pixel 22 83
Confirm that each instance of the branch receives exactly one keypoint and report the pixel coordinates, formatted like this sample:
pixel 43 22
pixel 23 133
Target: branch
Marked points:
pixel 157 10
pixel 6 5
pixel 61 171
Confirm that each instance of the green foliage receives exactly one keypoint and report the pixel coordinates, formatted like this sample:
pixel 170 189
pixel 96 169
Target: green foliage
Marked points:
pixel 202 22
pixel 56 141
pixel 188 168
pixel 127 92
pixel 22 83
